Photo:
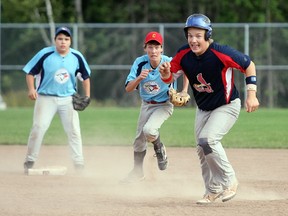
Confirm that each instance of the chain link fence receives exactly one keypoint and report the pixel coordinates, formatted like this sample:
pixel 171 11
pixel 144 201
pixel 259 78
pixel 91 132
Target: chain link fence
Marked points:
pixel 110 49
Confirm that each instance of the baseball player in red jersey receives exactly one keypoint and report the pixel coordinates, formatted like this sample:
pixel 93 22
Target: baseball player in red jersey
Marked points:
pixel 209 69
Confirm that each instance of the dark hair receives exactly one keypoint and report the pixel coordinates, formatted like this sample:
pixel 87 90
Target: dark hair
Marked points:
pixel 62 32
pixel 152 42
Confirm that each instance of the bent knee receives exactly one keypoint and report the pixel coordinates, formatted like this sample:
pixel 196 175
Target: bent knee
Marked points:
pixel 150 133
pixel 203 143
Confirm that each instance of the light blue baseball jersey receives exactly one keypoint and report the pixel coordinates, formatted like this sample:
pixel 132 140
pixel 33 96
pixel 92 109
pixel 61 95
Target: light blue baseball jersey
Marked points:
pixel 56 75
pixel 152 88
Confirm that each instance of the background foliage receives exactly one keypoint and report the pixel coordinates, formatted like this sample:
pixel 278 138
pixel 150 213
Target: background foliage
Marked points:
pixel 144 11
pixel 121 45
pixel 102 124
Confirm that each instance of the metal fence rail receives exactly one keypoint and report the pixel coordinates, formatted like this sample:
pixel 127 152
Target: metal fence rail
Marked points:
pixel 110 49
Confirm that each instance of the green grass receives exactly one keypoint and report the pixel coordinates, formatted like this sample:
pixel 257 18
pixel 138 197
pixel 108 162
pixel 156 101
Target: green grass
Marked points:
pixel 266 128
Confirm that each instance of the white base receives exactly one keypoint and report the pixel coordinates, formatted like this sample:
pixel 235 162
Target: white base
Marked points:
pixel 49 170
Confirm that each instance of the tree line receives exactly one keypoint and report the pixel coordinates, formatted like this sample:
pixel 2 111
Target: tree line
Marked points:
pixel 100 50
pixel 142 11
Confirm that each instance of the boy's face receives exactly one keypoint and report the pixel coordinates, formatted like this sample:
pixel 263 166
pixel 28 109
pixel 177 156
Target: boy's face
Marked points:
pixel 196 40
pixel 154 50
pixel 62 43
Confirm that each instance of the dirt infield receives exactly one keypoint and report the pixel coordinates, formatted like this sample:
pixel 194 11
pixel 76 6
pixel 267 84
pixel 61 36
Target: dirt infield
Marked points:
pixel 262 174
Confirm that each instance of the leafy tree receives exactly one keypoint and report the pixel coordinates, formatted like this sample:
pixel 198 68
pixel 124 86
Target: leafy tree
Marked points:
pixel 20 44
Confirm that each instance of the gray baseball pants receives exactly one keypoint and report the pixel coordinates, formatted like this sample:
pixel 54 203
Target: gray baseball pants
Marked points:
pixel 151 117
pixel 210 127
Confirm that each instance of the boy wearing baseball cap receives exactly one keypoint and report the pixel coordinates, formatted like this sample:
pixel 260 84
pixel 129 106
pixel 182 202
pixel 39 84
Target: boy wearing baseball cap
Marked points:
pixel 155 108
pixel 54 68
pixel 64 30
pixel 154 36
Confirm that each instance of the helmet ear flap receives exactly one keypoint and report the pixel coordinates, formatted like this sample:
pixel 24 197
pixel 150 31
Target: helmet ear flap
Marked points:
pixel 186 33
pixel 208 34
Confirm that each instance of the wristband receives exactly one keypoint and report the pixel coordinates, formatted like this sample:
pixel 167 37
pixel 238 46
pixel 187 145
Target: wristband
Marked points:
pixel 251 87
pixel 251 80
pixel 168 80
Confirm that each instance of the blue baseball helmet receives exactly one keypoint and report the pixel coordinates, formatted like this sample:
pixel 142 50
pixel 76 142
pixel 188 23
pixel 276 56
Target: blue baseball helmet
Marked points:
pixel 199 21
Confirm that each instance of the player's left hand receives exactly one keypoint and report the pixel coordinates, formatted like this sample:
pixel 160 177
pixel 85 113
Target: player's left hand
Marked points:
pixel 252 103
pixel 80 102
pixel 178 98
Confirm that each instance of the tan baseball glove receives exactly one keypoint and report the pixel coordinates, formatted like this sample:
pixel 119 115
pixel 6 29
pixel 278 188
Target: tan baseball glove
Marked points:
pixel 178 98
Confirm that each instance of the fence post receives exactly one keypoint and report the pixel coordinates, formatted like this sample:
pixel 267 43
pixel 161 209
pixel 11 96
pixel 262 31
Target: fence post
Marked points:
pixel 246 51
pixel 2 103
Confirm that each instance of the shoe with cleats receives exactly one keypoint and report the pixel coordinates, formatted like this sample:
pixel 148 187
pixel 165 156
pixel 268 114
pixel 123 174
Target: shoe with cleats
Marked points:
pixel 225 195
pixel 133 177
pixel 209 198
pixel 28 165
pixel 230 192
pixel 160 153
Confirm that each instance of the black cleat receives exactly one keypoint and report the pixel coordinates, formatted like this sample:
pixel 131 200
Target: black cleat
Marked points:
pixel 161 156
pixel 28 165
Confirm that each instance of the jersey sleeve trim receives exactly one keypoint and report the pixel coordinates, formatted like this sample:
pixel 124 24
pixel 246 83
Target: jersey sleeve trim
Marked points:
pixel 176 61
pixel 233 59
pixel 83 67
pixel 35 68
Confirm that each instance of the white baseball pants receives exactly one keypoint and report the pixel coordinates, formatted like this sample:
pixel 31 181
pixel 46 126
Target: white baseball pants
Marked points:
pixel 45 109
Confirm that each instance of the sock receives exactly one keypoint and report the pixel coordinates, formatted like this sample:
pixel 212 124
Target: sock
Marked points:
pixel 138 161
pixel 157 143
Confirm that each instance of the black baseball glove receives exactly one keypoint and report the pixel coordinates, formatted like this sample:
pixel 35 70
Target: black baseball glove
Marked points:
pixel 80 102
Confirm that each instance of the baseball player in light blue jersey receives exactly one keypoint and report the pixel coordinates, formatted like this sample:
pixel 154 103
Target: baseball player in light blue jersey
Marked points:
pixel 155 108
pixel 55 69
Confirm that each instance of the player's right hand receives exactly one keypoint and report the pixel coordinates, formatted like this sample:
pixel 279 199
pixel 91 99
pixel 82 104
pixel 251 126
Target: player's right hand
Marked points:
pixel 164 69
pixel 32 94
pixel 144 73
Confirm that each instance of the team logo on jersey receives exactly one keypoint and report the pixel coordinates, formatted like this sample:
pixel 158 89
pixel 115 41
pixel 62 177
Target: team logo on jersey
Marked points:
pixel 151 87
pixel 203 86
pixel 62 76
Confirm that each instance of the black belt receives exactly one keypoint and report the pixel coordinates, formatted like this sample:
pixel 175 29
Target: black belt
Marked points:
pixel 155 102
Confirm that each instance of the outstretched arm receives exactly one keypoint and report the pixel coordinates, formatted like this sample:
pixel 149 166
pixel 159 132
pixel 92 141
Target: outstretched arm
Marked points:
pixel 165 72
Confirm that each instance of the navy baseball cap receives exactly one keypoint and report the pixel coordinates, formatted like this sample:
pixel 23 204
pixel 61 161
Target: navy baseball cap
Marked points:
pixel 64 30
